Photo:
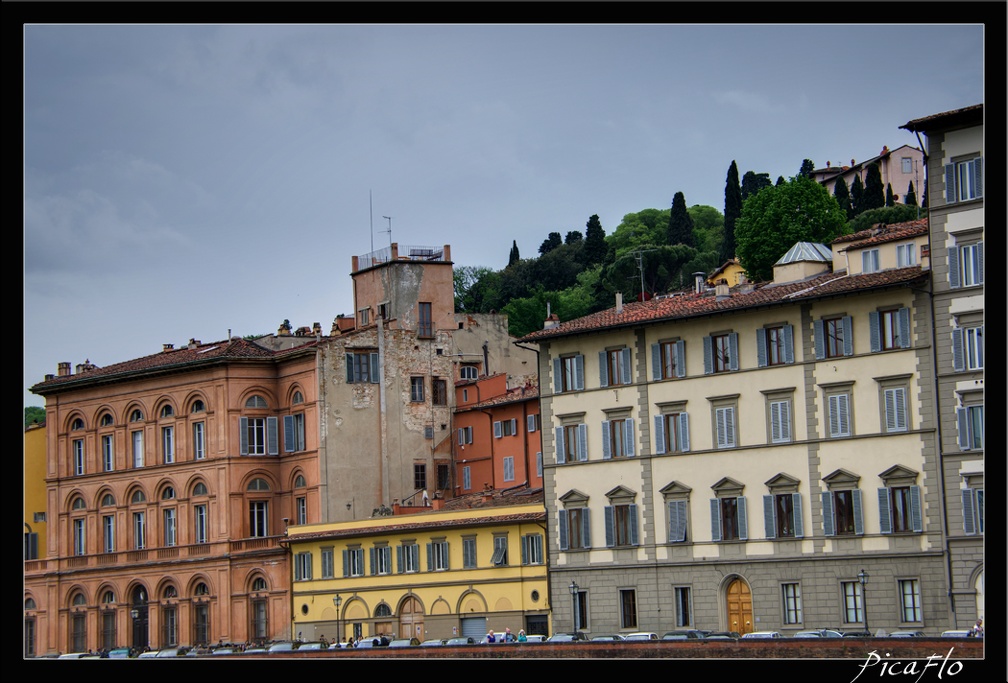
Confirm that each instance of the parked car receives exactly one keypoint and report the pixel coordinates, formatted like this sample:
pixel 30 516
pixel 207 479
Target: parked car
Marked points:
pixel 762 634
pixel 535 638
pixel 404 642
pixel 684 634
pixel 434 642
pixel 722 635
pixel 376 641
pixel 576 637
pixel 281 647
pixel 641 635
pixel 172 652
pixel 957 633
pixel 314 645
pixel 149 654
pixel 818 633
pixel 908 634
pixel 461 640
pixel 120 653
pixel 856 634
pixel 609 636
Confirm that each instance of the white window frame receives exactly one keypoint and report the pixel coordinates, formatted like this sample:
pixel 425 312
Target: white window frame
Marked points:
pixel 895 409
pixel 465 435
pixel 199 440
pixel 968 348
pixel 139 530
pixel 108 533
pixel 303 566
pixel 258 518
pixel 170 531
pixel 438 558
pixel 79 538
pixel 509 468
pixel 417 386
pixel 906 255
pixel 853 604
pixel 532 549
pixel 410 558
pixel 78 457
pixel 672 432
pixel 780 420
pixel 108 452
pixel 910 601
pixel 838 415
pixel 353 562
pixel 200 522
pixel 301 513
pixel 683 606
pixel 970 420
pixel 168 445
pixel 382 560
pixel 870 261
pixel 725 427
pixel 791 604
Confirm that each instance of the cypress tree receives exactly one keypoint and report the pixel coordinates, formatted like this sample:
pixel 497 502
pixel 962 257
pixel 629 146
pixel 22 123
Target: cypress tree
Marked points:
pixel 911 196
pixel 842 195
pixel 807 167
pixel 513 258
pixel 680 227
pixel 857 195
pixel 874 193
pixel 595 245
pixel 732 210
pixel 889 199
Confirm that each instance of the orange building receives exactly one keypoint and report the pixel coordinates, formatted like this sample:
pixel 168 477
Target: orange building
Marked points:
pixel 498 444
pixel 169 481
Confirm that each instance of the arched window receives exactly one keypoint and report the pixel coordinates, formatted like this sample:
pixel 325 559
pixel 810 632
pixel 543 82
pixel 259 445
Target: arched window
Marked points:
pixel 167 411
pixel 78 600
pixel 200 489
pixel 29 604
pixel 259 584
pixel 78 504
pixel 299 482
pixel 138 497
pixel 77 424
pixel 170 592
pixel 108 597
pixel 201 589
pixel 136 415
pixel 106 420
pixel 259 484
pixel 198 406
pixel 298 398
pixel 168 493
pixel 108 500
pixel 383 610
pixel 256 401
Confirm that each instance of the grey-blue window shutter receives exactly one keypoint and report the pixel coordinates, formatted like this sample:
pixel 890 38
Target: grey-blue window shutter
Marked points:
pixel 969 516
pixel 819 330
pixel 603 369
pixel 579 372
pixel 633 523
pixel 978 176
pixel 827 513
pixel 346 563
pixel 684 431
pixel 958 346
pixel 400 565
pixel 708 356
pixel 682 518
pixel 430 557
pixel 885 521
pixel 586 528
pixel 769 521
pixel 557 376
pixel 874 331
pixel 561 452
pixel 563 529
pixel 761 359
pixel 625 365
pixel 980 262
pixel 288 433
pixel 904 327
pixel 916 517
pixel 858 518
pixel 524 549
pixel 243 429
pixel 733 351
pixel 962 420
pixel 272 445
pixel 447 556
pixel 715 519
pixel 373 556
pixel 950 184
pixel 953 267
pixel 680 358
pixel 460 441
pixel 848 336
pixel 788 344
pixel 798 524
pixel 609 531
pixel 606 431
pixel 349 369
pixel 656 372
pixel 497 429
pixel 743 518
pixel 582 444
pixel 659 430
pixel 628 440
pixel 530 425
pixel 375 375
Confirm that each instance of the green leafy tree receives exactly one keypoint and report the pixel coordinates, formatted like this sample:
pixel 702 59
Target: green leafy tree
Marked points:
pixel 595 246
pixel 780 181
pixel 680 226
pixel 514 253
pixel 911 196
pixel 551 242
pixel 34 415
pixel 573 236
pixel 886 215
pixel 732 210
pixel 473 284
pixel 842 195
pixel 874 192
pixel 653 268
pixel 527 314
pixel 889 198
pixel 857 194
pixel 807 168
pixel 773 220
pixel 753 183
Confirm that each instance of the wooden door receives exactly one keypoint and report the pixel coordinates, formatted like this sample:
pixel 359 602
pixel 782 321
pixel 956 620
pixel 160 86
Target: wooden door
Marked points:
pixel 739 607
pixel 411 619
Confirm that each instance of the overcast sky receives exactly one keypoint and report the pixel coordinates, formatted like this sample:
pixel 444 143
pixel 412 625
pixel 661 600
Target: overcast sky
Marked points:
pixel 191 181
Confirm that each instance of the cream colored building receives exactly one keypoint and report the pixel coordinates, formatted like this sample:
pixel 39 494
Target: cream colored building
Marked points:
pixel 732 459
pixel 459 568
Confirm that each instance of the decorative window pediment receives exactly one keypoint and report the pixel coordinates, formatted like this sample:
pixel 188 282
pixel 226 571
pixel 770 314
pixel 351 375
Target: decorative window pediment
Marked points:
pixel 621 495
pixel 574 498
pixel 728 487
pixel 675 489
pixel 782 483
pixel 898 475
pixel 841 479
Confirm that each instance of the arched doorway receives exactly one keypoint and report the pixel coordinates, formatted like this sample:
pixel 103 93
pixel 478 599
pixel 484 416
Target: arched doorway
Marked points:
pixel 411 619
pixel 138 617
pixel 738 601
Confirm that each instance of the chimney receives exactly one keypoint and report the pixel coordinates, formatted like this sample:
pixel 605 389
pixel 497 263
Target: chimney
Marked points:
pixel 698 283
pixel 619 302
pixel 49 376
pixel 721 290
pixel 167 347
pixel 193 343
pixel 437 502
pixel 63 370
pixel 827 164
pixel 317 329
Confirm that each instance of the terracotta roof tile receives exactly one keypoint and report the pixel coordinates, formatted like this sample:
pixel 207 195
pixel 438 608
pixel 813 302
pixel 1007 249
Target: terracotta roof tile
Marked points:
pixel 885 233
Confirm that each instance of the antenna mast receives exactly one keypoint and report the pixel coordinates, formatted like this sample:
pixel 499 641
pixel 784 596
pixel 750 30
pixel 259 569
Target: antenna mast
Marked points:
pixel 389 219
pixel 371 209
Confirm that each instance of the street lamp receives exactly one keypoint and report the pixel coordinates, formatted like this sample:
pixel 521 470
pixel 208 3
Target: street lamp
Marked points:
pixel 337 601
pixel 862 578
pixel 574 590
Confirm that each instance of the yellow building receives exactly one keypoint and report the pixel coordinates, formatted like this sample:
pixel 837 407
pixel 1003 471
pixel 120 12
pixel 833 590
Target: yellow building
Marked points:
pixel 34 492
pixel 461 568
